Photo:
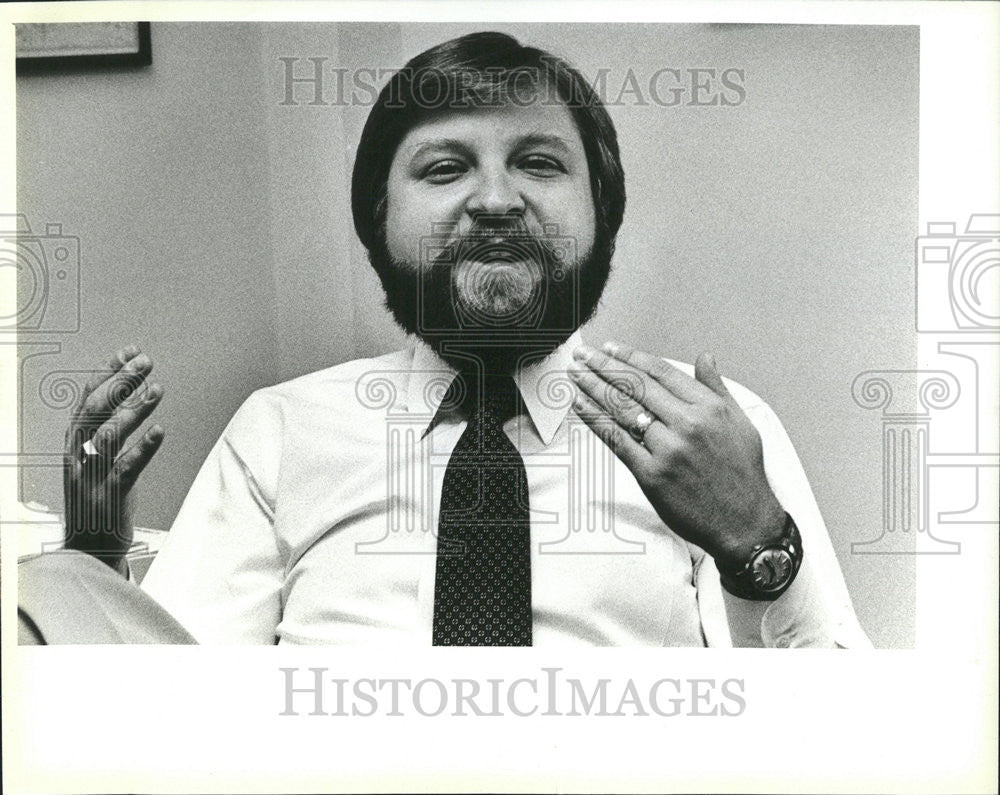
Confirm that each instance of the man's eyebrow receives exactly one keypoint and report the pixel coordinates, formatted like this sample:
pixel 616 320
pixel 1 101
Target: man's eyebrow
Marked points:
pixel 438 145
pixel 550 139
pixel 543 139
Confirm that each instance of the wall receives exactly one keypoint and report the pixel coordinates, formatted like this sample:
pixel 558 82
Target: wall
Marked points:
pixel 215 230
pixel 162 173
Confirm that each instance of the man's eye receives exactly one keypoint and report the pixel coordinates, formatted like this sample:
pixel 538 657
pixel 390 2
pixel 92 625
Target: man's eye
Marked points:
pixel 542 164
pixel 443 171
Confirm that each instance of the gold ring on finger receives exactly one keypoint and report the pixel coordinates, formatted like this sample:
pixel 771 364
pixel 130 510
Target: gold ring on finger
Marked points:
pixel 89 454
pixel 637 430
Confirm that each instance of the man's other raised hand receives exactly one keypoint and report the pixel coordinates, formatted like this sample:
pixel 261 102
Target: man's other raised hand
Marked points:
pixel 99 471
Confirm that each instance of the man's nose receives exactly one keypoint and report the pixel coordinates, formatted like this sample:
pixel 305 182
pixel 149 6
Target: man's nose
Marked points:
pixel 495 194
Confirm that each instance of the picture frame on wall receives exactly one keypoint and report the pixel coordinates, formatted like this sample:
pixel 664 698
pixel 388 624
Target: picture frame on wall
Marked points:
pixel 60 46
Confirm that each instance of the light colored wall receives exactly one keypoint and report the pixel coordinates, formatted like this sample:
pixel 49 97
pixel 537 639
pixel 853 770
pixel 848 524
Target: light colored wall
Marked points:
pixel 215 229
pixel 162 173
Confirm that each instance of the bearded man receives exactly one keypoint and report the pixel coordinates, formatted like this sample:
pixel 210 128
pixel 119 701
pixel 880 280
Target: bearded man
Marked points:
pixel 498 482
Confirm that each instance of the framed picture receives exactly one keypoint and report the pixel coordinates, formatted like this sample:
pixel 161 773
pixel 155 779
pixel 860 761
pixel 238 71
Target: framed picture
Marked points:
pixel 59 46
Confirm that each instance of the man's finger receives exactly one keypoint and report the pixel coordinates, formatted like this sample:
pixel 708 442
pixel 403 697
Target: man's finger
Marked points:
pixel 84 461
pixel 130 464
pixel 112 434
pixel 118 359
pixel 623 390
pixel 617 394
pixel 679 383
pixel 707 372
pixel 114 391
pixel 633 454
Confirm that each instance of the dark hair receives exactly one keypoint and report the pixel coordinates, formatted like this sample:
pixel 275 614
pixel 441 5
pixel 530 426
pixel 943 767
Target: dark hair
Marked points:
pixel 480 70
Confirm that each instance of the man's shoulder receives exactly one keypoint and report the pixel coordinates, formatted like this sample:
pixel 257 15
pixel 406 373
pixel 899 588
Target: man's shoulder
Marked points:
pixel 340 385
pixel 347 375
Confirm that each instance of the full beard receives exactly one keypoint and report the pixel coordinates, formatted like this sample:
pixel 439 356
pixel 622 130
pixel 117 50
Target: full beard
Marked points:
pixel 497 298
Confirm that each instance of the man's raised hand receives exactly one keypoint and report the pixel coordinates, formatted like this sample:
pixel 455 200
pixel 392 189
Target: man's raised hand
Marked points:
pixel 99 471
pixel 694 452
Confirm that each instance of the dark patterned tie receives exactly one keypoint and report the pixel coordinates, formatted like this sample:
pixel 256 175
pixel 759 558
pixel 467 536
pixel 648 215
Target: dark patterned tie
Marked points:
pixel 482 589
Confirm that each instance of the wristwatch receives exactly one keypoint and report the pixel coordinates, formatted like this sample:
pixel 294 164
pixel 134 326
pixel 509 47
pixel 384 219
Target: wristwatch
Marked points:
pixel 769 569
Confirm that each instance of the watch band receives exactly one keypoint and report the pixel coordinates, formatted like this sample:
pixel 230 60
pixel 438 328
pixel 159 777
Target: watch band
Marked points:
pixel 753 579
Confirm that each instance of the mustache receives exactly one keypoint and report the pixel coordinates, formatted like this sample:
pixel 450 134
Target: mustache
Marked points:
pixel 497 239
pixel 488 226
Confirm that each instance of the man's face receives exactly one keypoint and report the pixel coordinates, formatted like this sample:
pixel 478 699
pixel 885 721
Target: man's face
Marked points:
pixel 489 213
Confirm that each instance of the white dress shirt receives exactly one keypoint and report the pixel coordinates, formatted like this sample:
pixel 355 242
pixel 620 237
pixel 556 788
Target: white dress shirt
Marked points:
pixel 314 518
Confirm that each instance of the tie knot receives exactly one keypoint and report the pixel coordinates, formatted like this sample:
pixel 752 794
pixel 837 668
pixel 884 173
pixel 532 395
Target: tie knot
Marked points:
pixel 496 395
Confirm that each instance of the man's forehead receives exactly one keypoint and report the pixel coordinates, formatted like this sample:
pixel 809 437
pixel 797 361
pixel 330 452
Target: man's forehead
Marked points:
pixel 507 125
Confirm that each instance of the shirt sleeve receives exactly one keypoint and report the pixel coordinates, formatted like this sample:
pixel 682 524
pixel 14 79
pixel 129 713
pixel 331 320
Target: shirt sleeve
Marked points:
pixel 220 571
pixel 816 610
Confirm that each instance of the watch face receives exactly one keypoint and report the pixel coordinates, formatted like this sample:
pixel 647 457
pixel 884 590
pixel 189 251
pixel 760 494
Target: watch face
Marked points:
pixel 771 569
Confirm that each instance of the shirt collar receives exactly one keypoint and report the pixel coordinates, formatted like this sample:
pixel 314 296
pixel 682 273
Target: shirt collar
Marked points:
pixel 544 386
